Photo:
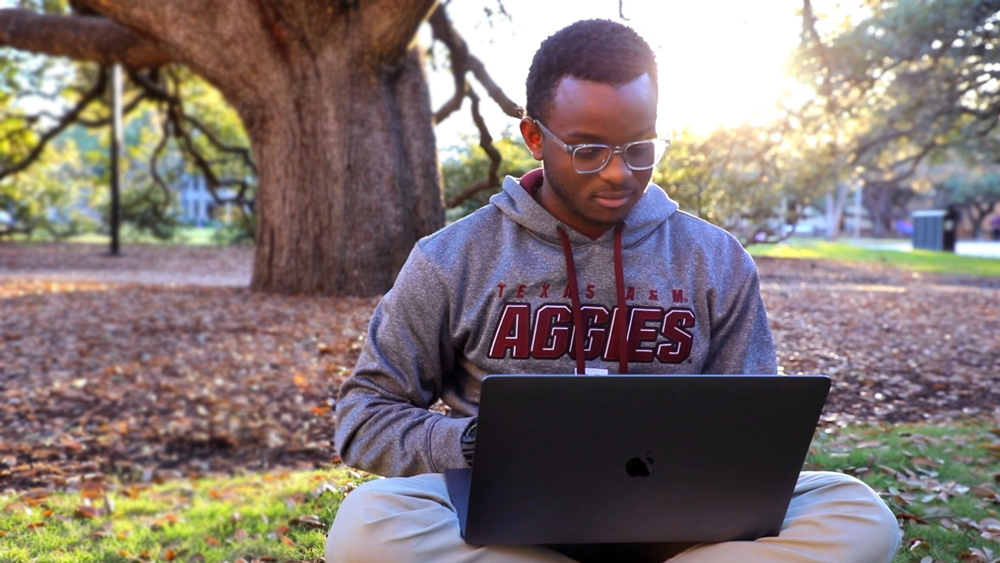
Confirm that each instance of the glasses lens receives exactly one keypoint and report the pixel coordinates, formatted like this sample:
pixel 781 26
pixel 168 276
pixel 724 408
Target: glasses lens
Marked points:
pixel 644 154
pixel 590 158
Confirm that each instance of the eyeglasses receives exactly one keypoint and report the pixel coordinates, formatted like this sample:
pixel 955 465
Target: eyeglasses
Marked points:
pixel 590 158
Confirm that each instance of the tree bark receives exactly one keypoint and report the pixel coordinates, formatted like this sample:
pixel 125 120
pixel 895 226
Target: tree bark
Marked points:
pixel 83 38
pixel 348 179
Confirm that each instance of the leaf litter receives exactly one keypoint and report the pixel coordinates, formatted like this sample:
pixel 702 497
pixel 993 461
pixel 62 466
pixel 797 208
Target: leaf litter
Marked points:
pixel 148 382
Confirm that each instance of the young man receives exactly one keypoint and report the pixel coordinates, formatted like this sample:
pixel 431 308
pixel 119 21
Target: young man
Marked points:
pixel 586 242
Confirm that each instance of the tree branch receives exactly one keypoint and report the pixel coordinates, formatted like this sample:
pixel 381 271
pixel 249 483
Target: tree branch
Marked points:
pixel 148 17
pixel 212 181
pixel 154 168
pixel 468 192
pixel 71 116
pixel 445 33
pixel 83 38
pixel 106 121
pixel 462 61
pixel 452 105
pixel 498 95
pixel 242 152
pixel 486 142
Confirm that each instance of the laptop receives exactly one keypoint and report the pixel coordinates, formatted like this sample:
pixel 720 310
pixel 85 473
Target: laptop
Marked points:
pixel 570 459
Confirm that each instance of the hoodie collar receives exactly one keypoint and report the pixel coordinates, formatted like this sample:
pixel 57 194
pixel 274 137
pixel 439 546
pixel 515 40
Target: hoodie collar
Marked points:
pixel 516 202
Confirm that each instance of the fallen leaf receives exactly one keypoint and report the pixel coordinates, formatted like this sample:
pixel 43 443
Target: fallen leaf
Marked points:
pixel 88 512
pixel 310 521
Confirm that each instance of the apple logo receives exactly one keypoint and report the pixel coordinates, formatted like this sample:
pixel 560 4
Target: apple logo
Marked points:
pixel 640 466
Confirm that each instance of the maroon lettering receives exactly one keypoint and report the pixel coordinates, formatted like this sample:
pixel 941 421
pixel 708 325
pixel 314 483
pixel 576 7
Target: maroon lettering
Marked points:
pixel 590 291
pixel 512 333
pixel 653 296
pixel 545 290
pixel 611 347
pixel 566 293
pixel 630 294
pixel 678 295
pixel 520 291
pixel 595 319
pixel 639 333
pixel 679 346
pixel 501 286
pixel 551 337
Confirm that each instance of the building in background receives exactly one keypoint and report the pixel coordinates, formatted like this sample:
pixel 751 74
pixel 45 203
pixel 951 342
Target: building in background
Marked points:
pixel 198 207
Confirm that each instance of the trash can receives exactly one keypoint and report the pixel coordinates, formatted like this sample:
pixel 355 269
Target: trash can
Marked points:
pixel 935 229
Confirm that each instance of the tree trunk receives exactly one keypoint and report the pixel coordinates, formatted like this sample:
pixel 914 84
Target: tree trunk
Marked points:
pixel 877 200
pixel 978 211
pixel 334 99
pixel 835 211
pixel 348 178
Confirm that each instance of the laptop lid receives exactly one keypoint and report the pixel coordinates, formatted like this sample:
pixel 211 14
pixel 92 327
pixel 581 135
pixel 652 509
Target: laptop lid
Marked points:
pixel 563 459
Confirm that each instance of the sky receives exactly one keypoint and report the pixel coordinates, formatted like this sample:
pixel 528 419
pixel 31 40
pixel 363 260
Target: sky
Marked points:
pixel 720 63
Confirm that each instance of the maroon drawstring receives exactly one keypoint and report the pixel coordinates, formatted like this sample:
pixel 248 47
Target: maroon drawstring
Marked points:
pixel 574 294
pixel 622 310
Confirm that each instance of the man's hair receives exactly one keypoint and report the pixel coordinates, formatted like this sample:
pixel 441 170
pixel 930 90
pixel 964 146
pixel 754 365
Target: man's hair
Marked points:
pixel 595 50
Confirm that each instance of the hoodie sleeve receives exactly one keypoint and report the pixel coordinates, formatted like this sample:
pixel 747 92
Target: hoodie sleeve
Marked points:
pixel 383 422
pixel 741 340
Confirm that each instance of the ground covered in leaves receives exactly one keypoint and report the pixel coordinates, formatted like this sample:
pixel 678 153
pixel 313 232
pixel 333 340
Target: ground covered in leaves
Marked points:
pixel 160 365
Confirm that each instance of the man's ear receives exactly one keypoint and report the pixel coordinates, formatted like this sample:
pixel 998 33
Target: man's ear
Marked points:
pixel 532 136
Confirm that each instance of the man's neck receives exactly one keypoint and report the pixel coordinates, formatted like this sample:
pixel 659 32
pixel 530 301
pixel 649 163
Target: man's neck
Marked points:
pixel 537 186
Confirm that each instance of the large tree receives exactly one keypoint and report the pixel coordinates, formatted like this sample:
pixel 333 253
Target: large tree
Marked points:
pixel 333 98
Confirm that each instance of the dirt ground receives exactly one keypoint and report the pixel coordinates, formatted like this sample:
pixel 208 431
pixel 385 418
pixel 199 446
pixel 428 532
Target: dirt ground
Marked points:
pixel 161 362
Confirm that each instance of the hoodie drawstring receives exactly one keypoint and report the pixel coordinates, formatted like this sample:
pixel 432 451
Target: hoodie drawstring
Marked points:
pixel 622 311
pixel 574 294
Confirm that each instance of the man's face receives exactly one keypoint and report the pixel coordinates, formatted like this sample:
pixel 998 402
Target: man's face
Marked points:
pixel 591 112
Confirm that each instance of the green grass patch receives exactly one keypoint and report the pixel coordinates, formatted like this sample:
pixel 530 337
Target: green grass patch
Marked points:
pixel 270 517
pixel 941 480
pixel 193 236
pixel 917 260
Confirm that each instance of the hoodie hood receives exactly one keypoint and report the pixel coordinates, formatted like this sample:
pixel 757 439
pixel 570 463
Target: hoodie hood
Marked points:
pixel 517 202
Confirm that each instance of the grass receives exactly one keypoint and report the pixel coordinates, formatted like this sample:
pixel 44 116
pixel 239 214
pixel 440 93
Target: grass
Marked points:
pixel 195 236
pixel 270 517
pixel 938 478
pixel 916 260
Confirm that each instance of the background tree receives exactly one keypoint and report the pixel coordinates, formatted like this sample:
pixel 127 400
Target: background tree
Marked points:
pixel 912 80
pixel 975 191
pixel 333 100
pixel 56 199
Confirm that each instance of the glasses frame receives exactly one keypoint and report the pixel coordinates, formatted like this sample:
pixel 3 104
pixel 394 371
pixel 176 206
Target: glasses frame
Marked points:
pixel 615 149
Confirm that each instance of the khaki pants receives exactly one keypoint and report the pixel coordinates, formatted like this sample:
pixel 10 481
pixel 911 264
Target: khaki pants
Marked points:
pixel 832 518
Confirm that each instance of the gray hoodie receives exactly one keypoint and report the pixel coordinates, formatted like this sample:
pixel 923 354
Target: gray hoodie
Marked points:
pixel 490 293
